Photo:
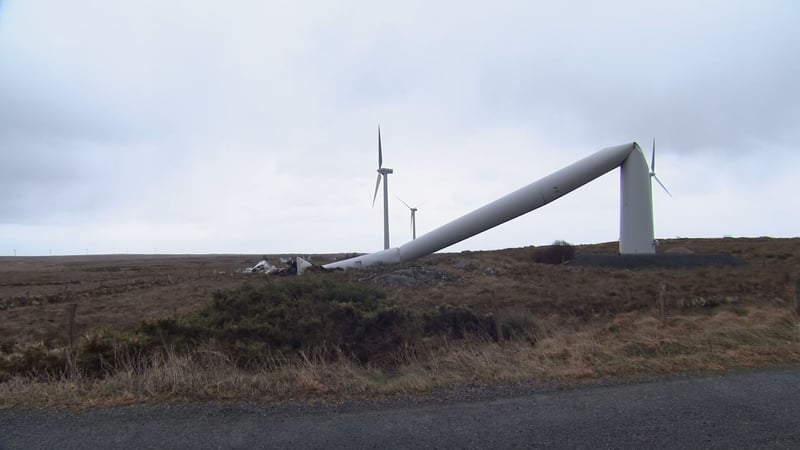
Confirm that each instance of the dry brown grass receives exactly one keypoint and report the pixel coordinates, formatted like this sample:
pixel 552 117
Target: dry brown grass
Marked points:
pixel 587 323
pixel 629 345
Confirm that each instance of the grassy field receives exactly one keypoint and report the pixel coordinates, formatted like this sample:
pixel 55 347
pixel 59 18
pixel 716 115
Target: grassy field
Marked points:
pixel 151 328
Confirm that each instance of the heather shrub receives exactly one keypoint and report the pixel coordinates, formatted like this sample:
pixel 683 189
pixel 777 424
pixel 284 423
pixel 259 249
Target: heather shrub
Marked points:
pixel 558 253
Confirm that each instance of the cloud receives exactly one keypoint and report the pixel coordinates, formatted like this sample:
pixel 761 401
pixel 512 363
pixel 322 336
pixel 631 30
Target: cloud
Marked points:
pixel 702 79
pixel 255 122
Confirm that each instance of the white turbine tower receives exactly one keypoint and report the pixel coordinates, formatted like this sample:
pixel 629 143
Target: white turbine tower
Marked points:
pixel 383 172
pixel 413 217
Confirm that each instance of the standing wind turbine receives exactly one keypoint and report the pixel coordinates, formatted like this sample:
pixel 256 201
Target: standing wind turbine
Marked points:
pixel 383 172
pixel 652 176
pixel 653 169
pixel 413 217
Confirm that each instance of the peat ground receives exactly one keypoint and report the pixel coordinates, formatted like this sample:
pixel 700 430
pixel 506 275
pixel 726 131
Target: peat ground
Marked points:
pixel 579 321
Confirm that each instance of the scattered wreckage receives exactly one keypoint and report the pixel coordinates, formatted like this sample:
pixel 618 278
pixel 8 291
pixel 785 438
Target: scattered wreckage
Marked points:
pixel 294 266
pixel 400 277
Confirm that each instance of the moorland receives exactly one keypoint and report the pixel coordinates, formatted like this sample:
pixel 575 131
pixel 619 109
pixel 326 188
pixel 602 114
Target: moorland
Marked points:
pixel 115 329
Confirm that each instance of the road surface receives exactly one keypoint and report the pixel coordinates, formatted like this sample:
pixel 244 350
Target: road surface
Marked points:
pixel 753 409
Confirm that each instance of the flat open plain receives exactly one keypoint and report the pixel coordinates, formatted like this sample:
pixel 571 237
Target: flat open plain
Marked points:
pixel 573 322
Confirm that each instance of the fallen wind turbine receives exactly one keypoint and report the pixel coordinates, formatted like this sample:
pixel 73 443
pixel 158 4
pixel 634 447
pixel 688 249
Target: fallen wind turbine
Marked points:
pixel 383 172
pixel 636 207
pixel 413 217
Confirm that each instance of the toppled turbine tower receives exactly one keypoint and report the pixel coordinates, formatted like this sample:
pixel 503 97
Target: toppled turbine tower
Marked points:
pixel 636 208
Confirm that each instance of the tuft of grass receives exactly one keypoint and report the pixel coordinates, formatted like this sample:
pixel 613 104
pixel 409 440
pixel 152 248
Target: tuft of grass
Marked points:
pixel 35 361
pixel 457 322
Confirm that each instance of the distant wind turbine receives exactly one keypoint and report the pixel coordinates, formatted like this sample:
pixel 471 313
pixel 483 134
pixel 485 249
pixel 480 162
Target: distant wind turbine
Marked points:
pixel 383 172
pixel 653 169
pixel 413 217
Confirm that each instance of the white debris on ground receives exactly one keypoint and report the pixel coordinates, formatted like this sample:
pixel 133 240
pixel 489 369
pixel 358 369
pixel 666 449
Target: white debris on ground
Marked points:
pixel 302 265
pixel 261 267
pixel 295 266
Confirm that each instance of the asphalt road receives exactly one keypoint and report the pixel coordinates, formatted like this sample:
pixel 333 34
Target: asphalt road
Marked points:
pixel 754 409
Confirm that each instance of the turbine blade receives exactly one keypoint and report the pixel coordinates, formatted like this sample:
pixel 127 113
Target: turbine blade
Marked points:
pixel 377 186
pixel 380 150
pixel 653 158
pixel 662 185
pixel 401 201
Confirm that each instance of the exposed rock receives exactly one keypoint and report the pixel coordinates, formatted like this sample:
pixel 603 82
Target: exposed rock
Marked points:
pixel 490 271
pixel 464 264
pixel 412 276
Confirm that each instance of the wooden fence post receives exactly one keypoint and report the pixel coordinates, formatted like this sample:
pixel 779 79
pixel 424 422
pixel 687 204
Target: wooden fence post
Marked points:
pixel 71 313
pixel 498 325
pixel 72 309
pixel 661 301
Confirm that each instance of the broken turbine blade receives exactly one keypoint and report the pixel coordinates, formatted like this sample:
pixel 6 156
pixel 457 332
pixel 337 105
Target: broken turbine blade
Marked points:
pixel 302 265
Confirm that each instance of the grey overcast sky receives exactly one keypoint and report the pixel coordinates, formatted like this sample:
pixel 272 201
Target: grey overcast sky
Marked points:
pixel 250 126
